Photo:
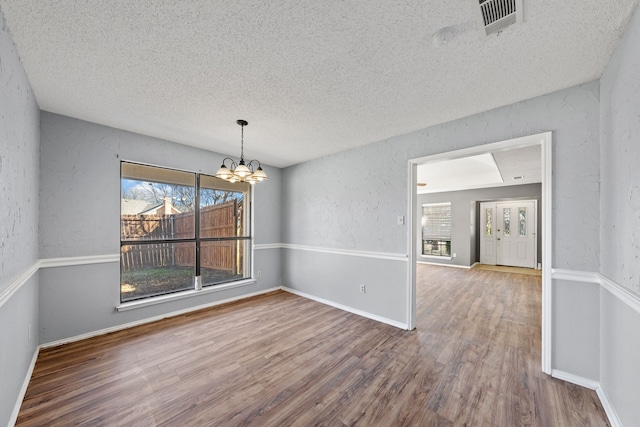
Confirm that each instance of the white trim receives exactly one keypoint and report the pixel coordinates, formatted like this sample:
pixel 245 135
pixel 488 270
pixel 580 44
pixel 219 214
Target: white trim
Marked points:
pixel 347 308
pixel 448 265
pixel 17 283
pixel 617 290
pixel 547 250
pixel 412 244
pixel 79 260
pixel 350 252
pixel 23 389
pixel 609 409
pixel 267 246
pixel 544 139
pixel 620 292
pixel 575 276
pixel 611 412
pixel 152 319
pixel 125 306
pixel 575 379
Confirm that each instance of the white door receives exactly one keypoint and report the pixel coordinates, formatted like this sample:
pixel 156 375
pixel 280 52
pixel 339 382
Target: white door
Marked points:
pixel 515 233
pixel 488 233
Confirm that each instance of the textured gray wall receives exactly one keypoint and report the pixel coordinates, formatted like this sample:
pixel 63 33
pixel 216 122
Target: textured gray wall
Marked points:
pixel 80 215
pixel 620 163
pixel 620 226
pixel 464 210
pixel 80 184
pixel 19 157
pixel 351 200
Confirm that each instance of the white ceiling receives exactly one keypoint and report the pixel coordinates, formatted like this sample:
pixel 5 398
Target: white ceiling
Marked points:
pixel 311 77
pixel 516 166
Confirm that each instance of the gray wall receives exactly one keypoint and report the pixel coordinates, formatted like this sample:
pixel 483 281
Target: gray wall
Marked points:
pixel 19 145
pixel 79 216
pixel 465 241
pixel 620 225
pixel 351 200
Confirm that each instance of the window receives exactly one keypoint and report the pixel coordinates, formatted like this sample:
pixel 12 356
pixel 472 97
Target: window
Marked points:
pixel 436 229
pixel 180 229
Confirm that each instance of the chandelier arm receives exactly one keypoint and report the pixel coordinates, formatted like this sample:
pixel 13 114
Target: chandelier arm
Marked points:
pixel 233 163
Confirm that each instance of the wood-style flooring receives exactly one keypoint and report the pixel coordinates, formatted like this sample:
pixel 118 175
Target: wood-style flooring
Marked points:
pixel 282 360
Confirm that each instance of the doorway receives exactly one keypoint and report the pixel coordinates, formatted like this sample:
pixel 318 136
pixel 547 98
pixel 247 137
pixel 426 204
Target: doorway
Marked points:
pixel 544 141
pixel 508 233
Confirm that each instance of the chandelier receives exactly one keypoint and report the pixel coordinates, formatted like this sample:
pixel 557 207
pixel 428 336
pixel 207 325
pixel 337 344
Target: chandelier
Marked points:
pixel 241 171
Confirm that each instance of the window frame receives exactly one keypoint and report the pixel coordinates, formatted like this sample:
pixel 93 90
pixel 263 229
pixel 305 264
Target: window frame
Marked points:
pixel 197 285
pixel 440 241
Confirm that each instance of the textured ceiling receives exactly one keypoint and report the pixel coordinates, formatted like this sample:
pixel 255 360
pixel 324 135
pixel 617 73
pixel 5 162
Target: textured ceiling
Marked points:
pixel 311 77
pixel 497 169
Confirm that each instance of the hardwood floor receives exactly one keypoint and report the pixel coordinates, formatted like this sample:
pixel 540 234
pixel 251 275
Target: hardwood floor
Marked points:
pixel 281 360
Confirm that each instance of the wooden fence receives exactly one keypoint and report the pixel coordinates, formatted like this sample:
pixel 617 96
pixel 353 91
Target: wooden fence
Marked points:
pixel 215 221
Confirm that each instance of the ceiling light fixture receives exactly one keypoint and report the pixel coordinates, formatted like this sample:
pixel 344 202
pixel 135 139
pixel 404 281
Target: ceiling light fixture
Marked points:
pixel 442 36
pixel 241 172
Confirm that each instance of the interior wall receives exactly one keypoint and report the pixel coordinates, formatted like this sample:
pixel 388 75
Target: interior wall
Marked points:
pixel 620 225
pixel 80 216
pixel 351 200
pixel 465 241
pixel 19 160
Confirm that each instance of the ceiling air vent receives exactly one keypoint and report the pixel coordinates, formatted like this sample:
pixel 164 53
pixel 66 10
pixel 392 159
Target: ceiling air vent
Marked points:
pixel 496 15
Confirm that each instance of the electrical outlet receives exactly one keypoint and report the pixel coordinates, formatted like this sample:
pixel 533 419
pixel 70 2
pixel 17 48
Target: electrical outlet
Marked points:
pixel 363 289
pixel 454 255
pixel 401 220
pixel 259 273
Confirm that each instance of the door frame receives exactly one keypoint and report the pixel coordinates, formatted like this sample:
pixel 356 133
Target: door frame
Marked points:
pixel 545 141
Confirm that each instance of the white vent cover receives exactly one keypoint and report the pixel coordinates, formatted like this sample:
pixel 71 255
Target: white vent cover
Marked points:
pixel 495 15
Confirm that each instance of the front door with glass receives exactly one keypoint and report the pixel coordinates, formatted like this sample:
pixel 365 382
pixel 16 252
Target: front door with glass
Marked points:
pixel 508 233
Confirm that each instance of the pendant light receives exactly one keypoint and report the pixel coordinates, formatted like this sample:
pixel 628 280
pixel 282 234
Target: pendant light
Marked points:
pixel 241 171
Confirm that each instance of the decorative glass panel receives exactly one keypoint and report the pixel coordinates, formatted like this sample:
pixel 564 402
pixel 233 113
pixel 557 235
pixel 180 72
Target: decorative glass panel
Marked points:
pixel 522 219
pixel 488 222
pixel 506 213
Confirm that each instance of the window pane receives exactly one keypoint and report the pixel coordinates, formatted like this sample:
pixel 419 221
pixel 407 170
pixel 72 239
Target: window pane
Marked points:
pixel 522 219
pixel 436 247
pixel 436 229
pixel 506 212
pixel 223 208
pixel 488 227
pixel 156 203
pixel 154 269
pixel 224 261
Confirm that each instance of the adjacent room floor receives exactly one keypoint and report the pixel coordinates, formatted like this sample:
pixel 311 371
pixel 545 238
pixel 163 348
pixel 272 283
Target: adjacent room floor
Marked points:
pixel 282 360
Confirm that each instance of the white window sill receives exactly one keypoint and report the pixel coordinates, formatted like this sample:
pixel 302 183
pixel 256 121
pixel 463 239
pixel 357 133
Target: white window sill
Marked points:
pixel 436 257
pixel 180 295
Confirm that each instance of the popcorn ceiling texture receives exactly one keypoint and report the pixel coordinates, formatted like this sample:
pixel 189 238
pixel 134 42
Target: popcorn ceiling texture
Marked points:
pixel 311 77
pixel 19 160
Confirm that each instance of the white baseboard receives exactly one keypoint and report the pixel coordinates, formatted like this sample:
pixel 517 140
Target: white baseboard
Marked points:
pixel 447 265
pixel 23 390
pixel 612 415
pixel 575 379
pixel 347 308
pixel 152 319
